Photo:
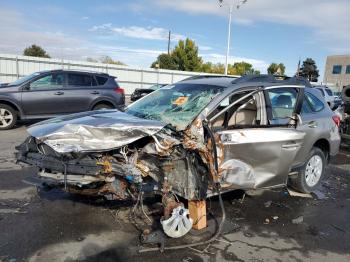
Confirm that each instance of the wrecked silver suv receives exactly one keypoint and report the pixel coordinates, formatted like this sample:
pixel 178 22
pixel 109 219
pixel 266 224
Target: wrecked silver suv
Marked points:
pixel 192 139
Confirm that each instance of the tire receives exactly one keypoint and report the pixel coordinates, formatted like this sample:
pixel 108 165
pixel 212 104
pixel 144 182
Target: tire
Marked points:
pixel 311 173
pixel 102 106
pixel 8 117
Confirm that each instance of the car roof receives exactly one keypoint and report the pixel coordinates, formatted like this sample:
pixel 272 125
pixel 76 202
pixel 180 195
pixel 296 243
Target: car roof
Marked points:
pixel 248 81
pixel 75 71
pixel 216 81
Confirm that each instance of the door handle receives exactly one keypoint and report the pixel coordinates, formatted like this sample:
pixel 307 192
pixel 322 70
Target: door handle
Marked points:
pixel 312 124
pixel 291 145
pixel 59 93
pixel 95 93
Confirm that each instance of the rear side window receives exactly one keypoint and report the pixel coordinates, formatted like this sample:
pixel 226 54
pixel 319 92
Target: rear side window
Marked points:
pixel 80 80
pixel 101 80
pixel 283 101
pixel 315 104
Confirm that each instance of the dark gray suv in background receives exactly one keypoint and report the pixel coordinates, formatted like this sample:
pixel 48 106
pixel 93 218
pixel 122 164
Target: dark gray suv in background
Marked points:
pixel 58 92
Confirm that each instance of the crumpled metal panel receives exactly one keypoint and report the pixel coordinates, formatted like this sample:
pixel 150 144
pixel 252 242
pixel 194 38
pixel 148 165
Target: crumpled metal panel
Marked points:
pixel 256 158
pixel 101 130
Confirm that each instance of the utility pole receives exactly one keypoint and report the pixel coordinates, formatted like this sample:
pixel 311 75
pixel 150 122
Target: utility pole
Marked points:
pixel 228 39
pixel 169 42
pixel 231 4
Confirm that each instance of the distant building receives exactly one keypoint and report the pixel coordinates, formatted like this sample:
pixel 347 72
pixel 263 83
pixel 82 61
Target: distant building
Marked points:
pixel 337 72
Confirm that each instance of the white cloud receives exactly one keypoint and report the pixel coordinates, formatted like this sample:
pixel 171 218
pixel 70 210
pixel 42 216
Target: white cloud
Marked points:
pixel 329 21
pixel 150 33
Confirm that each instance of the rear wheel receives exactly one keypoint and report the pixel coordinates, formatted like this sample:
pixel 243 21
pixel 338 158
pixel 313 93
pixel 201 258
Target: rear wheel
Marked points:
pixel 102 106
pixel 310 175
pixel 8 117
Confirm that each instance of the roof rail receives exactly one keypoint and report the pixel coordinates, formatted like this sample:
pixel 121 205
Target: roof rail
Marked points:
pixel 267 78
pixel 208 76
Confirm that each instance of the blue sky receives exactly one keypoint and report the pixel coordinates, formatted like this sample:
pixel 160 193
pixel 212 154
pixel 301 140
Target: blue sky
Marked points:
pixel 135 32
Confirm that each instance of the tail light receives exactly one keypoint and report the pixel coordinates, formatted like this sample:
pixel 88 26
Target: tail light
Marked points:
pixel 336 120
pixel 119 90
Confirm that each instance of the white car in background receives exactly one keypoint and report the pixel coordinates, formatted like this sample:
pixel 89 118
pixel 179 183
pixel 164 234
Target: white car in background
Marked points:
pixel 328 95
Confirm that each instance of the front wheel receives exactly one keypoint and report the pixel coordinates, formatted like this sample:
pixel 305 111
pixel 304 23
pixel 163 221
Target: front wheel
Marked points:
pixel 8 117
pixel 311 174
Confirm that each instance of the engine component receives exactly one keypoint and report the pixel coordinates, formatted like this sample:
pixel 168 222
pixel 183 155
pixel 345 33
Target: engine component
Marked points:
pixel 179 224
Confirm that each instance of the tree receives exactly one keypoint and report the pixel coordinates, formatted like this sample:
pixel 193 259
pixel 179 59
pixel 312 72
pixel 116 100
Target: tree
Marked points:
pixel 108 60
pixel 185 55
pixel 242 68
pixel 164 61
pixel 35 50
pixel 92 60
pixel 209 67
pixel 309 70
pixel 276 69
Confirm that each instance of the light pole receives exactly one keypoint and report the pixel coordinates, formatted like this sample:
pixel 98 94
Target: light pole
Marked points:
pixel 231 4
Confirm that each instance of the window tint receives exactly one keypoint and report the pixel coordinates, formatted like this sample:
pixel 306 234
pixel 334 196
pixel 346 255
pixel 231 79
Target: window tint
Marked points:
pixel 347 71
pixel 101 80
pixel 316 104
pixel 283 101
pixel 336 69
pixel 79 80
pixel 51 81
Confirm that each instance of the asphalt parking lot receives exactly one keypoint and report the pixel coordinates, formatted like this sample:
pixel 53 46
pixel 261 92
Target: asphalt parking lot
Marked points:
pixel 267 226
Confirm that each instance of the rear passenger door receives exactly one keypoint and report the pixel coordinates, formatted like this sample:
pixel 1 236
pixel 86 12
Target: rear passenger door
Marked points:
pixel 79 92
pixel 314 123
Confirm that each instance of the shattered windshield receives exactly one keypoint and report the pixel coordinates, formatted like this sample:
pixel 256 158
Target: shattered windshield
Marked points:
pixel 176 104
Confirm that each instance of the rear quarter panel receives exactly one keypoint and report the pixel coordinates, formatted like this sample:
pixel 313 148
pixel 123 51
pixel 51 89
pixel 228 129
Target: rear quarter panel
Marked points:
pixel 326 129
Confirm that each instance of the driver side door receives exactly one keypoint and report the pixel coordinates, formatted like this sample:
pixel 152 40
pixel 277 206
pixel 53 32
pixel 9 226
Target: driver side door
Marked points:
pixel 255 150
pixel 45 95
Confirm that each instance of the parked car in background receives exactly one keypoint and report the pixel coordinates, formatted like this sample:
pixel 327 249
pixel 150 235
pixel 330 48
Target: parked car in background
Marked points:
pixel 337 99
pixel 52 93
pixel 141 92
pixel 328 95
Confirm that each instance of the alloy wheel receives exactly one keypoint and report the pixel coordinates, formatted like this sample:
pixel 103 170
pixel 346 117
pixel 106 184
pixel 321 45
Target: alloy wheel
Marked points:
pixel 6 118
pixel 313 170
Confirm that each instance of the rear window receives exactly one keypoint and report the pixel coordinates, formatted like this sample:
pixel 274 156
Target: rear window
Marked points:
pixel 80 80
pixel 101 80
pixel 315 104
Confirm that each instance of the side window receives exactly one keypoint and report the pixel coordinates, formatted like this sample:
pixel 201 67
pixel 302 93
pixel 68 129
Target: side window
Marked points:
pixel 243 113
pixel 283 101
pixel 52 81
pixel 316 104
pixel 305 108
pixel 101 80
pixel 80 80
